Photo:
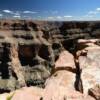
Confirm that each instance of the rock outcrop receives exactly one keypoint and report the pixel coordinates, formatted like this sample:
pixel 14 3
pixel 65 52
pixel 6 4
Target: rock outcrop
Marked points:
pixel 89 65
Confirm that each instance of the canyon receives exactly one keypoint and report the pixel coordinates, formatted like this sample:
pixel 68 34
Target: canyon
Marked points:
pixel 49 60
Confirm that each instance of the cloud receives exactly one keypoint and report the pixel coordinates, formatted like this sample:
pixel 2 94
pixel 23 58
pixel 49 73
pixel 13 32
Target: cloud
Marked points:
pixel 29 12
pixel 54 18
pixel 68 16
pixel 59 17
pixel 1 15
pixel 92 12
pixel 50 17
pixel 8 11
pixel 16 13
pixel 98 9
pixel 88 16
pixel 17 16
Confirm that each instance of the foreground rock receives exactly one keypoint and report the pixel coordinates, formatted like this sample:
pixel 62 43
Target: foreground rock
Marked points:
pixel 89 63
pixel 60 86
pixel 55 93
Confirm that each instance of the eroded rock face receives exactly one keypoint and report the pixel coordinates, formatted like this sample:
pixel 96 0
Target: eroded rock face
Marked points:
pixel 16 65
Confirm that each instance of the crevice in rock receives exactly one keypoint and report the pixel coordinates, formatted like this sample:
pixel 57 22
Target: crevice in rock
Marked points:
pixel 4 63
pixel 78 82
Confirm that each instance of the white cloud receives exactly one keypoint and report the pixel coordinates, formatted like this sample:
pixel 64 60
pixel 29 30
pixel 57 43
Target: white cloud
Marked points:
pixel 29 12
pixel 68 16
pixel 50 17
pixel 54 18
pixel 1 15
pixel 8 11
pixel 98 9
pixel 88 16
pixel 16 13
pixel 17 16
pixel 59 17
pixel 92 12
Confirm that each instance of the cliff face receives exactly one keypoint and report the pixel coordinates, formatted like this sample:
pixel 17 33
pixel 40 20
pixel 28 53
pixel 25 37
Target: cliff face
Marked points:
pixel 29 49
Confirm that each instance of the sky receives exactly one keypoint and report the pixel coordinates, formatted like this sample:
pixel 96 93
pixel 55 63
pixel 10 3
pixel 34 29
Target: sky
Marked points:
pixel 50 9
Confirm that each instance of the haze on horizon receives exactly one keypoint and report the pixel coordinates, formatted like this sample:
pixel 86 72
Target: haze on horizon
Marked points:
pixel 50 9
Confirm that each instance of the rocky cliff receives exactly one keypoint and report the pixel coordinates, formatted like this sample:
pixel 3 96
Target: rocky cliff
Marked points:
pixel 51 55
